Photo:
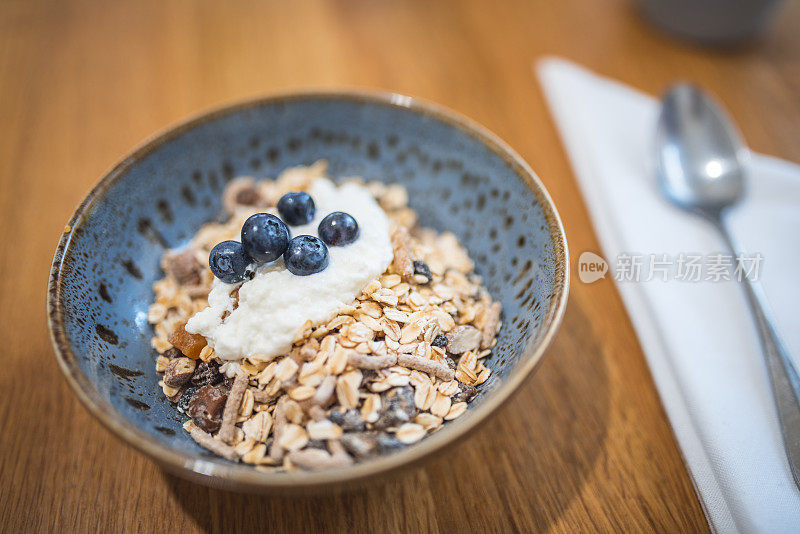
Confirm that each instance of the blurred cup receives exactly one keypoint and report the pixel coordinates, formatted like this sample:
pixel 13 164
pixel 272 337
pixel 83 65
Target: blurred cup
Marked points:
pixel 717 22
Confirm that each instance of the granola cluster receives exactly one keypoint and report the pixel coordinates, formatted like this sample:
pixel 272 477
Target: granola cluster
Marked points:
pixel 386 371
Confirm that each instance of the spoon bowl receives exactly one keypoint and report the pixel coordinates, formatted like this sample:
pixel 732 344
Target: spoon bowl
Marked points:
pixel 701 158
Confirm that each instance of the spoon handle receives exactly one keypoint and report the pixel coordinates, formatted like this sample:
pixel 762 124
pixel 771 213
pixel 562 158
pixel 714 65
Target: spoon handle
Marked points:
pixel 783 376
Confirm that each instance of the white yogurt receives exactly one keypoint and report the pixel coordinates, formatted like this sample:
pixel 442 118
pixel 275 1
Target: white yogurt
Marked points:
pixel 275 304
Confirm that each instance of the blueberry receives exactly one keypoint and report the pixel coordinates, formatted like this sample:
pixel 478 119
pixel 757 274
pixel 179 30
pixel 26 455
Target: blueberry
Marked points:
pixel 229 262
pixel 306 255
pixel 297 208
pixel 338 229
pixel 264 237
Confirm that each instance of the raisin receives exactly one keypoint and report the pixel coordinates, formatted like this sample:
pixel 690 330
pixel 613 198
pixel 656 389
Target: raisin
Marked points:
pixel 398 407
pixel 402 398
pixel 388 444
pixel 317 444
pixel 439 341
pixel 206 408
pixel 391 417
pixel 422 270
pixel 248 197
pixel 173 353
pixel 465 393
pixel 206 373
pixel 350 421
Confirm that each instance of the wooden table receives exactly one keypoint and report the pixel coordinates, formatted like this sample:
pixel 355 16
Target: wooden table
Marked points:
pixel 584 446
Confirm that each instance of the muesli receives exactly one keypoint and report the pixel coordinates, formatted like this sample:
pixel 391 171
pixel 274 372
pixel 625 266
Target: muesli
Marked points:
pixel 319 325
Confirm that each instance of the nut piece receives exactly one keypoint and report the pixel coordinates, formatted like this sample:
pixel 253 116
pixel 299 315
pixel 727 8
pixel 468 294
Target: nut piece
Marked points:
pixel 184 267
pixel 179 371
pixel 206 408
pixel 463 339
pixel 189 344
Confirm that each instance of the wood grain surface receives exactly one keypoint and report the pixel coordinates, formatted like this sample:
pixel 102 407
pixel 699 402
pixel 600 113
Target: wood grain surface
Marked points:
pixel 585 446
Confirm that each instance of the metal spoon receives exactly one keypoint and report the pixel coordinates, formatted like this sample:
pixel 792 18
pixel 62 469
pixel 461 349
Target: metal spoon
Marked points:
pixel 701 164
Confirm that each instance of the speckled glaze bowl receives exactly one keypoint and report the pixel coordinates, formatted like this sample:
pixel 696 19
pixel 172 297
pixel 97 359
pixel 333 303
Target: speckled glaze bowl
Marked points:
pixel 460 177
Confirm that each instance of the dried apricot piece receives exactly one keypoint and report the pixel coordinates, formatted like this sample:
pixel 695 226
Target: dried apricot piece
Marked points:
pixel 189 344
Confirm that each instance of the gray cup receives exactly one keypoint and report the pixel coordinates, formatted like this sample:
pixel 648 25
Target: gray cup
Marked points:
pixel 718 22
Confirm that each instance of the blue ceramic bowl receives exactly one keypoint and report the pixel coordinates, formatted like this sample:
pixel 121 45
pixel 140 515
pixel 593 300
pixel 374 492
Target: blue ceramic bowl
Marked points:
pixel 459 176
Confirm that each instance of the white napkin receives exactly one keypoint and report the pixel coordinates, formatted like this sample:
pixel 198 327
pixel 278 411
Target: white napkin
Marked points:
pixel 699 338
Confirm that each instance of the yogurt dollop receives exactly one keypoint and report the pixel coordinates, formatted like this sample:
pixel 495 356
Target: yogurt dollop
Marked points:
pixel 275 304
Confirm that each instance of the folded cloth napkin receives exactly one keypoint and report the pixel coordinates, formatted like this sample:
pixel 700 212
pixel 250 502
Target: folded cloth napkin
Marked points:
pixel 698 337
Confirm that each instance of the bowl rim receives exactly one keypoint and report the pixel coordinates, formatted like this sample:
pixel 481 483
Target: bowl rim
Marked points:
pixel 214 471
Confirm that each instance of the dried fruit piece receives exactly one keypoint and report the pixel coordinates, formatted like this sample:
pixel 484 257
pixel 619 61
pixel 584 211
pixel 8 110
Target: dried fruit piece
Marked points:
pixel 389 444
pixel 465 393
pixel 189 344
pixel 398 407
pixel 206 408
pixel 422 273
pixel 207 373
pixel 350 420
pixel 439 341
